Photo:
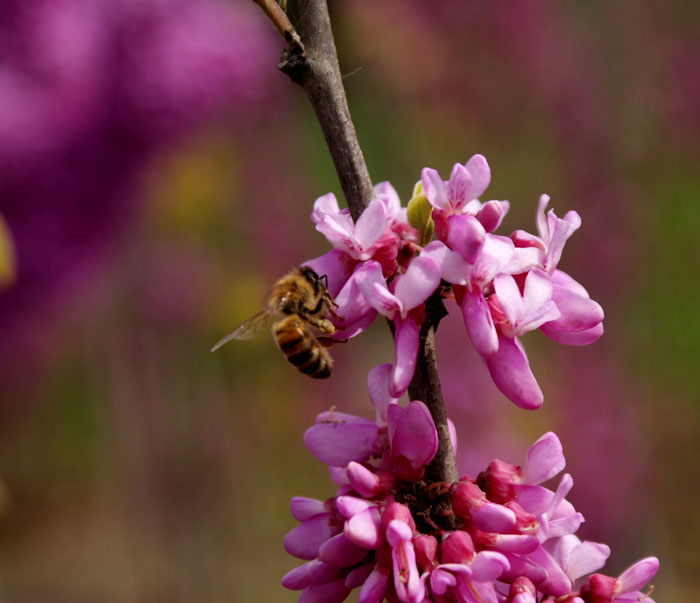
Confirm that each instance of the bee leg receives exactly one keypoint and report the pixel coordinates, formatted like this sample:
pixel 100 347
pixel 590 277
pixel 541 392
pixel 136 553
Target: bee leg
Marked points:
pixel 322 324
pixel 334 314
pixel 330 306
pixel 329 342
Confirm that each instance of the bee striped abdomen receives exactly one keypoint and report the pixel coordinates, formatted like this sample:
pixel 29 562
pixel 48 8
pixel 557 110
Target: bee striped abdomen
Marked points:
pixel 301 348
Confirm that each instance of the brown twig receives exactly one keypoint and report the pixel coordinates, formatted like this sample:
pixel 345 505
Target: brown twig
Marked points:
pixel 315 68
pixel 283 24
pixel 425 386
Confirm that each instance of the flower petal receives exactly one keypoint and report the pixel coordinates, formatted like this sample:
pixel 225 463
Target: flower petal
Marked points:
pixel 509 298
pixel 322 573
pixel 325 205
pixel 491 214
pixel 542 225
pixel 378 380
pixel 373 287
pixel 453 267
pixel 434 188
pixel 333 592
pixel 459 187
pixel 492 517
pixel 354 309
pixel 578 313
pixel 488 566
pixel 479 323
pixel 441 580
pixel 357 576
pixel 338 551
pixel 389 197
pixel 545 459
pixel 303 508
pixel 480 173
pixel 338 229
pixel 466 235
pixel 370 225
pixel 573 337
pixel 418 283
pixel 511 373
pixel 586 558
pixel 557 583
pixel 636 576
pixel 363 529
pixel 337 444
pixel 537 292
pixel 559 231
pixel 306 538
pixel 453 435
pixel 415 436
pixel 405 355
pixel 300 577
pixel 349 506
pixel 375 587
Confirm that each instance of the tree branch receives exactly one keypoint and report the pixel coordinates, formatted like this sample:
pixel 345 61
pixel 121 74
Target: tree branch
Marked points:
pixel 425 386
pixel 283 24
pixel 313 64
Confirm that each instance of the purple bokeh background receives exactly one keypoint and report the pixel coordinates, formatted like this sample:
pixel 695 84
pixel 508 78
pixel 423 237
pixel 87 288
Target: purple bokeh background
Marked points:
pixel 156 175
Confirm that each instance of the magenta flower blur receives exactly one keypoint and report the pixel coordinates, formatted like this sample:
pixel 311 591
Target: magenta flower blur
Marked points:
pixel 90 92
pixel 505 287
pixel 514 539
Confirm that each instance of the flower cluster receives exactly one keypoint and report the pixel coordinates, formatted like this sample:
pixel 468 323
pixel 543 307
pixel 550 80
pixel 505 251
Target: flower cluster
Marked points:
pixel 513 540
pixel 386 263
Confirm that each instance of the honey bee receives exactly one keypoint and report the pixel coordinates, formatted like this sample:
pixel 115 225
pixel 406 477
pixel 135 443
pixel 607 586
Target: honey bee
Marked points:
pixel 298 302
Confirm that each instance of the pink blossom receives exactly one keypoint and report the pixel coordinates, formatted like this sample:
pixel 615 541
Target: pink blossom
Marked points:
pixel 514 542
pixel 580 320
pixel 458 194
pixel 360 241
pixel 603 589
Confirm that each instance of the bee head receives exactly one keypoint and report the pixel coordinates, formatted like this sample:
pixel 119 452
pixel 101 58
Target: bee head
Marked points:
pixel 316 280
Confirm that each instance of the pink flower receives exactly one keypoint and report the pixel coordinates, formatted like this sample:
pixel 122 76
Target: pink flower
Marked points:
pixel 361 241
pixel 515 540
pixel 626 588
pixel 401 302
pixel 580 320
pixel 457 195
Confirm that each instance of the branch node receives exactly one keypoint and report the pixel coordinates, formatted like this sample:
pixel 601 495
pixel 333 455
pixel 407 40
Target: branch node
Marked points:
pixel 292 62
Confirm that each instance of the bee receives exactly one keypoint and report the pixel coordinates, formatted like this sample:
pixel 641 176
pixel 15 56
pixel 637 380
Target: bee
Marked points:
pixel 298 303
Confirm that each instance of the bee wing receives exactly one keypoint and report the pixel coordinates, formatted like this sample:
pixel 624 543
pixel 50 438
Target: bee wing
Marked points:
pixel 246 330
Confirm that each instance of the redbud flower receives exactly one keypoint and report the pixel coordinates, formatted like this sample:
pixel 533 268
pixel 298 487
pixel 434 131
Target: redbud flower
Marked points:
pixel 511 540
pixel 505 287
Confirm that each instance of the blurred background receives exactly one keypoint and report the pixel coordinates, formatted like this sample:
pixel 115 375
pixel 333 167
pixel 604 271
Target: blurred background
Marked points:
pixel 156 177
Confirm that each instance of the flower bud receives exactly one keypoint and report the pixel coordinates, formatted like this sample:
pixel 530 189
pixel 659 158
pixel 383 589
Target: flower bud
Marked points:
pixel 398 511
pixel 522 590
pixel 599 589
pixel 457 547
pixel 498 479
pixel 426 551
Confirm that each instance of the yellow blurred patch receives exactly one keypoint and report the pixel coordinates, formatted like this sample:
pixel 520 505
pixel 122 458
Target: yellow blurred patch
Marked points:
pixel 237 301
pixel 8 260
pixel 195 186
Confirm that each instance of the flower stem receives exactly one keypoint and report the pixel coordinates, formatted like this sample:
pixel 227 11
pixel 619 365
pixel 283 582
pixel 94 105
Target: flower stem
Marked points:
pixel 425 386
